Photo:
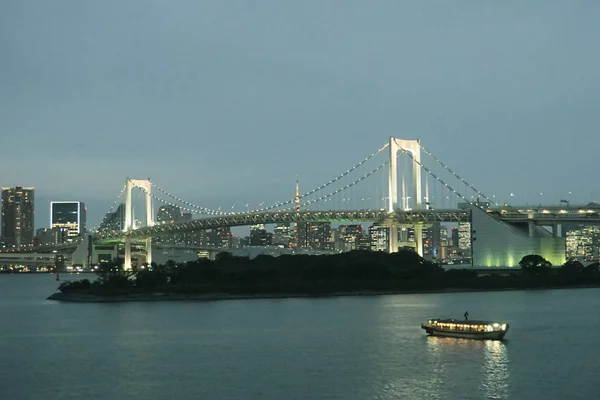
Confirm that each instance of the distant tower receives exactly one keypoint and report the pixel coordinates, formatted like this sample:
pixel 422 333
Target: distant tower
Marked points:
pixel 299 235
pixel 297 198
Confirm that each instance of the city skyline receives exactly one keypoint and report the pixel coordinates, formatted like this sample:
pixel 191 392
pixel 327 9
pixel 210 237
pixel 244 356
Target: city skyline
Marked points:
pixel 99 207
pixel 240 101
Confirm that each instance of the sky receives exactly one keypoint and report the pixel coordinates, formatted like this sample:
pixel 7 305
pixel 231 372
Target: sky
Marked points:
pixel 226 102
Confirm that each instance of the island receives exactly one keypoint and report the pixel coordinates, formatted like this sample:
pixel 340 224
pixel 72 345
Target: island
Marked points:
pixel 353 273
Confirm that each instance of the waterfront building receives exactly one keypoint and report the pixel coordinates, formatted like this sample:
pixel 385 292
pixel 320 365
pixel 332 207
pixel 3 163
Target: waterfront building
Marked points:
pixel 17 216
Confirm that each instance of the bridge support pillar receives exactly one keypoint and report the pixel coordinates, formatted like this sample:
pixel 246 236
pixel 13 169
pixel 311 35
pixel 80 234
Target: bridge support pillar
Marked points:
pixel 557 230
pixel 393 237
pixel 127 261
pixel 531 229
pixel 419 239
pixel 149 251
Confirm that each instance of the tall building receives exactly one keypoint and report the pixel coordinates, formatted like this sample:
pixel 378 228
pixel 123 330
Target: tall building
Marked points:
pixel 282 235
pixel 195 238
pixel 17 216
pixel 114 221
pixel 315 235
pixel 431 241
pixel 168 214
pixel 464 236
pixel 221 237
pixel 349 237
pixel 379 237
pixel 69 216
pixel 454 238
pixel 49 237
pixel 258 235
pixel 583 244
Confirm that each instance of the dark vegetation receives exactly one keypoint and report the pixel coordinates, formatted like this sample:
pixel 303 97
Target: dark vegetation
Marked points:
pixel 356 271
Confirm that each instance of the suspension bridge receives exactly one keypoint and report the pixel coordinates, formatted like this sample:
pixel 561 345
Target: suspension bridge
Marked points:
pixel 412 187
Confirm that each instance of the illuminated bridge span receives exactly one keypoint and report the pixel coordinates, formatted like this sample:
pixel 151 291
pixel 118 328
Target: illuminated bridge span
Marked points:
pixel 28 259
pixel 578 215
pixel 402 217
pixel 549 215
pixel 409 186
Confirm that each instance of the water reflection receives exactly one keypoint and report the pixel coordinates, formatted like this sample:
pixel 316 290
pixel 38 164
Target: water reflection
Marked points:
pixel 495 370
pixel 468 366
pixel 435 358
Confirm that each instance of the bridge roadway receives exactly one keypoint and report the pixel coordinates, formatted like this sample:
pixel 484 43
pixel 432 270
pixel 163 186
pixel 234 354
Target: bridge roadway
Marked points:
pixel 278 217
pixel 28 259
pixel 541 215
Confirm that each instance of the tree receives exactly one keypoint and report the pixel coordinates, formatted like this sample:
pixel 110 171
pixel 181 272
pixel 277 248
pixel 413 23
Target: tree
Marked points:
pixel 570 272
pixel 111 269
pixel 572 267
pixel 592 270
pixel 534 264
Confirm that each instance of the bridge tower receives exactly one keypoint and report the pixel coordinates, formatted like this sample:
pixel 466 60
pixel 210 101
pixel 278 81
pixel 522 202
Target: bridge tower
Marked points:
pixel 413 147
pixel 146 186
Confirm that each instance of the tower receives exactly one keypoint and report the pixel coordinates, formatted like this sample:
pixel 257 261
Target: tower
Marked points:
pixel 297 197
pixel 300 227
pixel 146 186
pixel 413 147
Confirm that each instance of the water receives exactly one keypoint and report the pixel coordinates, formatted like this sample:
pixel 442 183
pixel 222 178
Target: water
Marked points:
pixel 338 348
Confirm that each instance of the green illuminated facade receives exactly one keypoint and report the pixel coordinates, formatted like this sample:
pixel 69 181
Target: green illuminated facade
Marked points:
pixel 499 244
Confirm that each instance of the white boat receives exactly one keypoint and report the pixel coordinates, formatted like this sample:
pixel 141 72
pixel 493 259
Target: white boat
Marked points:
pixel 466 329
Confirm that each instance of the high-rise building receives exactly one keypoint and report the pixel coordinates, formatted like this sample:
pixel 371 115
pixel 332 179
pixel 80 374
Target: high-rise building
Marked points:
pixel 282 235
pixel 454 238
pixel 114 221
pixel 349 237
pixel 379 237
pixel 195 238
pixel 49 237
pixel 431 241
pixel 168 214
pixel 464 236
pixel 583 243
pixel 221 237
pixel 444 240
pixel 17 216
pixel 69 216
pixel 258 235
pixel 315 235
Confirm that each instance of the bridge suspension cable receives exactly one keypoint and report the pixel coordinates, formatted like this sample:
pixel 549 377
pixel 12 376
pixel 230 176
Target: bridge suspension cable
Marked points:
pixel 449 187
pixel 204 211
pixel 331 182
pixel 110 211
pixel 348 186
pixel 279 204
pixel 455 174
pixel 194 208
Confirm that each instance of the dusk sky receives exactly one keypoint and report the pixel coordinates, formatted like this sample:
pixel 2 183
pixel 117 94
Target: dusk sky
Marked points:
pixel 227 101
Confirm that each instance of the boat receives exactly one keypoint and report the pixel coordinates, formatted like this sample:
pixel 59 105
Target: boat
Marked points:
pixel 485 330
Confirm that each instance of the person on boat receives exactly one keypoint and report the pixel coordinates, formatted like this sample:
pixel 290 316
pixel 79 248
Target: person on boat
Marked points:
pixel 466 315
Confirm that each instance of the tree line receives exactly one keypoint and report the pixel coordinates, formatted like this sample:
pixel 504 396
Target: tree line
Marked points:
pixel 354 271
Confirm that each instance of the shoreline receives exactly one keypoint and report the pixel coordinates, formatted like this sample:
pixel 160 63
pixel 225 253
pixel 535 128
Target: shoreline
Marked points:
pixel 145 297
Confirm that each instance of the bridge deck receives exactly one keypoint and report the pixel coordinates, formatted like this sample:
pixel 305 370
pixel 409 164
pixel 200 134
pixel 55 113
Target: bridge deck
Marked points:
pixel 589 214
